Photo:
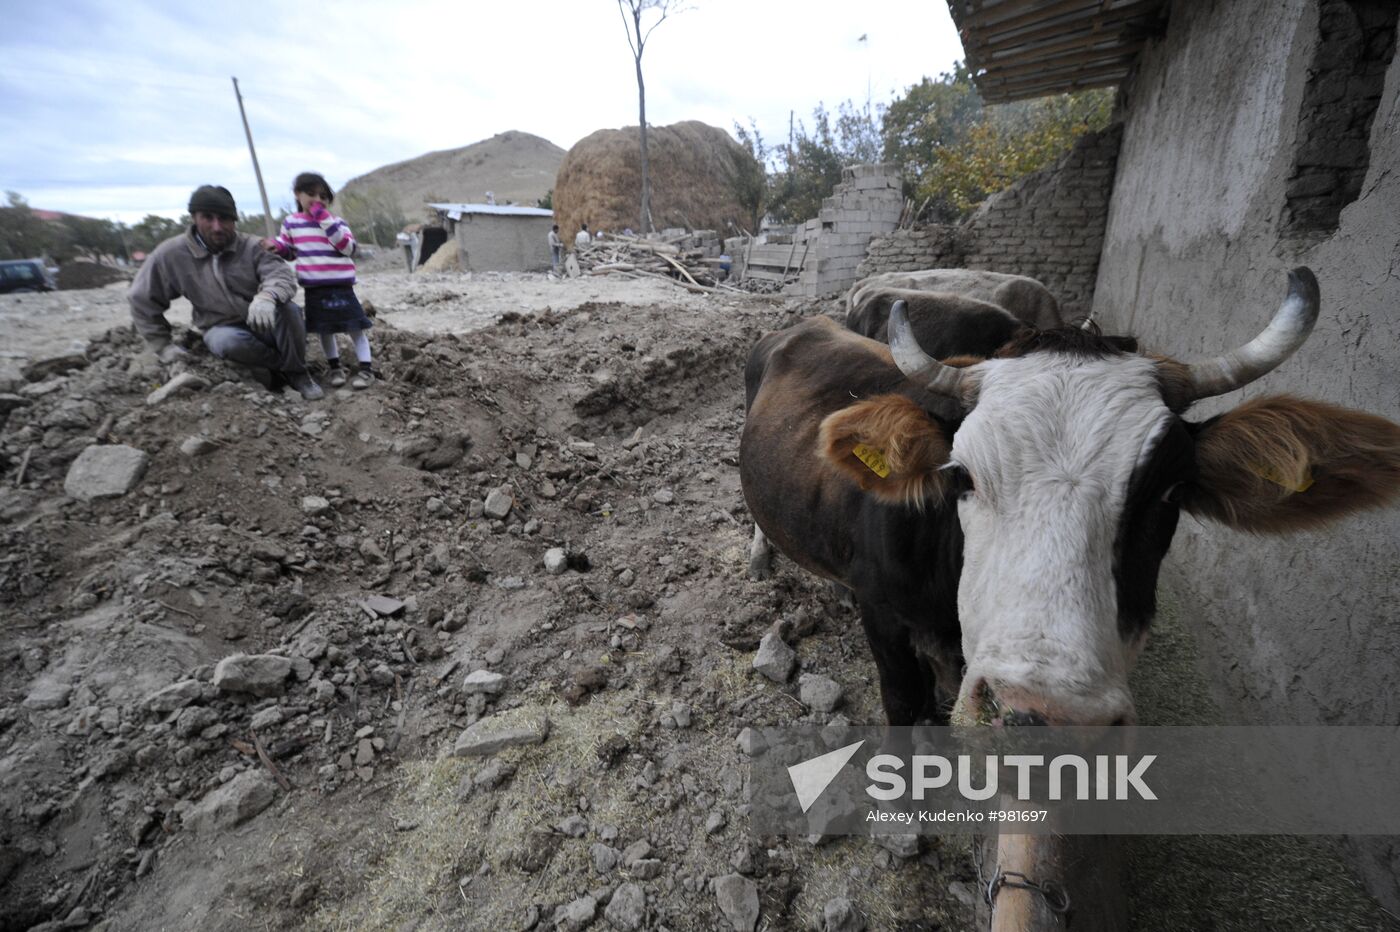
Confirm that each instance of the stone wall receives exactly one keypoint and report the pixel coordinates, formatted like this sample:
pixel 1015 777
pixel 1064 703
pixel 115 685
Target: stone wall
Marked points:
pixel 865 204
pixel 502 243
pixel 1049 225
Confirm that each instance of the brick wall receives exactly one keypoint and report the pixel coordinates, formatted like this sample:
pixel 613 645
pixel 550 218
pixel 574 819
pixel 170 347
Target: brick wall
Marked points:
pixel 865 204
pixel 1049 226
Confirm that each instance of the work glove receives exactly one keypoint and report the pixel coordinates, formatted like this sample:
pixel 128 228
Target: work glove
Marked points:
pixel 262 314
pixel 171 352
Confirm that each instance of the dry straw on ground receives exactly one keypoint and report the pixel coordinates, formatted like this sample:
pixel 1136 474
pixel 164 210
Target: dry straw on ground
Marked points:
pixel 694 168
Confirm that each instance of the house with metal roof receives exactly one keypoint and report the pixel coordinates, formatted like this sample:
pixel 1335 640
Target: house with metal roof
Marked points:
pixel 498 237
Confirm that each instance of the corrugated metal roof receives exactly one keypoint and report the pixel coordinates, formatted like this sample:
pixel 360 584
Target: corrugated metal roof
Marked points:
pixel 510 210
pixel 1030 48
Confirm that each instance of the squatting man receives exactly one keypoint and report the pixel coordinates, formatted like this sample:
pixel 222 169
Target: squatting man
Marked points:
pixel 242 295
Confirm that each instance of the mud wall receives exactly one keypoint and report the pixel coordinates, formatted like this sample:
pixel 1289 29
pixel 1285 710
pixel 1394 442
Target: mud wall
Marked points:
pixel 1221 133
pixel 1049 225
pixel 499 243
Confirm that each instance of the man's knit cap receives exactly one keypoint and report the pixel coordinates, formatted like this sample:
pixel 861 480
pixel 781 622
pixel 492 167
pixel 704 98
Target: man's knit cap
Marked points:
pixel 213 199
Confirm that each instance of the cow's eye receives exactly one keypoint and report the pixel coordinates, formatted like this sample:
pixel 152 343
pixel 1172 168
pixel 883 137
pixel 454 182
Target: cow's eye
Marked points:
pixel 959 481
pixel 1173 494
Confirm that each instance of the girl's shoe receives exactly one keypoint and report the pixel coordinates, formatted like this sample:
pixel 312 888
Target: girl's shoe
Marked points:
pixel 337 378
pixel 362 380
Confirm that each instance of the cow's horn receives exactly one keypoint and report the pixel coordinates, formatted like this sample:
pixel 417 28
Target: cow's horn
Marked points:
pixel 914 362
pixel 1286 332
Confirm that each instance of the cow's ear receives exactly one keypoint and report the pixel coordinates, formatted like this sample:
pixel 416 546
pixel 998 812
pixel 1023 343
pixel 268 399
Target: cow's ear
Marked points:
pixel 888 446
pixel 1281 464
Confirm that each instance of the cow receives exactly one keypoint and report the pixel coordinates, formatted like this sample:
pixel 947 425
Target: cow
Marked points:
pixel 870 299
pixel 1001 521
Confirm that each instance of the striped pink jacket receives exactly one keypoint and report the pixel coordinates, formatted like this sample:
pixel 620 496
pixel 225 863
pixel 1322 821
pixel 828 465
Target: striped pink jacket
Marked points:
pixel 322 244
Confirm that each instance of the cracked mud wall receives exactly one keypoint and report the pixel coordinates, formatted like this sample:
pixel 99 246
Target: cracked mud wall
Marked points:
pixel 1301 629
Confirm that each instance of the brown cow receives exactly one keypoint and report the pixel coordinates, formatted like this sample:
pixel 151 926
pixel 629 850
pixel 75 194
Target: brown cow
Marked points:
pixel 1002 521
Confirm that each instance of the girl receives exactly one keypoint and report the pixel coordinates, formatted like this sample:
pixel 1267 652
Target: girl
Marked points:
pixel 322 246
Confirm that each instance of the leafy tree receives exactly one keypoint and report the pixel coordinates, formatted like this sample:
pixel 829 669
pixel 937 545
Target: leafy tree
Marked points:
pixel 633 12
pixel 955 150
pixel 546 202
pixel 751 181
pixel 811 170
pixel 153 229
pixel 22 234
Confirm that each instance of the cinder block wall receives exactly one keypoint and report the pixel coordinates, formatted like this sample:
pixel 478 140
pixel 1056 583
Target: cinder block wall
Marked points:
pixel 1049 225
pixel 865 204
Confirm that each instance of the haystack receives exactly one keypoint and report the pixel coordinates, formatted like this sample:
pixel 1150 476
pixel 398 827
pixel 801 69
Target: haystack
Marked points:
pixel 694 174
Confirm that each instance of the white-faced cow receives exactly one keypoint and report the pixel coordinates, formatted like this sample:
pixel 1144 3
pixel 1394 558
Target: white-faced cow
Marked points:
pixel 1001 521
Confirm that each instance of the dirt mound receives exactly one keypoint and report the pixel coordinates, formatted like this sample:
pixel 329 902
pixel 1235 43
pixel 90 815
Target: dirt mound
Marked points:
pixel 694 172
pixel 517 167
pixel 78 274
pixel 540 520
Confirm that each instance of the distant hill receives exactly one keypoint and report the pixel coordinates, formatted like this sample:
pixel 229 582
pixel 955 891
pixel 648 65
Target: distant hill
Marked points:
pixel 514 166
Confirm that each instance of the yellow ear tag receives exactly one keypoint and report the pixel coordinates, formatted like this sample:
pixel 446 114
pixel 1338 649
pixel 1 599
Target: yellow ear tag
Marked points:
pixel 873 458
pixel 1271 474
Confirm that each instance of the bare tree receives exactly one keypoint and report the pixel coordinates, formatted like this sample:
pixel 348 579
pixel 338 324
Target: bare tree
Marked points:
pixel 632 12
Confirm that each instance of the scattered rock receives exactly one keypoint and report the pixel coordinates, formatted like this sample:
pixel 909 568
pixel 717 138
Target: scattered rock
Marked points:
pixel 314 505
pixel 628 907
pixel 490 735
pixel 383 606
pixel 197 445
pixel 819 693
pixel 738 900
pixel 498 503
pixel 576 915
pixel 42 369
pixel 555 561
pixel 254 674
pixel 233 803
pixel 47 694
pixel 775 659
pixel 484 682
pixel 840 916
pixel 105 471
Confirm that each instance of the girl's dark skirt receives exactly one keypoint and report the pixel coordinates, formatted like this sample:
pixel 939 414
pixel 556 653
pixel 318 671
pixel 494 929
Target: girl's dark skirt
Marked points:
pixel 334 309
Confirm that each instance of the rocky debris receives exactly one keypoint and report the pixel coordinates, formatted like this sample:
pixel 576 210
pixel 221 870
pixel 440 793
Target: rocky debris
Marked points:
pixel 901 846
pixel 499 503
pixel 490 735
pixel 255 674
pixel 232 804
pixel 314 505
pixel 738 900
pixel 184 382
pixel 577 915
pixel 628 907
pixel 175 696
pixel 775 659
pixel 42 369
pixel 555 561
pixel 382 605
pixel 840 916
pixel 47 694
pixel 197 445
pixel 105 471
pixel 819 693
pixel 484 682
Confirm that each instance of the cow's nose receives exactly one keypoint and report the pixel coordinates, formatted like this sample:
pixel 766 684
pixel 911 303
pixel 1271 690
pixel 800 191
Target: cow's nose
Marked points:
pixel 1023 718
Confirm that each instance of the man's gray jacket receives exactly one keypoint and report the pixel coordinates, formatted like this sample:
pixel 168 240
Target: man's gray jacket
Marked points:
pixel 220 287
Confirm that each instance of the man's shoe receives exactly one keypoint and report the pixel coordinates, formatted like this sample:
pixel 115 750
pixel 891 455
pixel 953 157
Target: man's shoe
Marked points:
pixel 337 378
pixel 306 385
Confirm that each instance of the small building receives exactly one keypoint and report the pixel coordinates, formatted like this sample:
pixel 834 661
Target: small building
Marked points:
pixel 498 237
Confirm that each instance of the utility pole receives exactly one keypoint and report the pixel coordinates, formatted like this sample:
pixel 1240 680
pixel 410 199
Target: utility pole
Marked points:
pixel 262 189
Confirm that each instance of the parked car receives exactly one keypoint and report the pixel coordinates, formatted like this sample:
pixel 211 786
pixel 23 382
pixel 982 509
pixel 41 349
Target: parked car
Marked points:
pixel 18 275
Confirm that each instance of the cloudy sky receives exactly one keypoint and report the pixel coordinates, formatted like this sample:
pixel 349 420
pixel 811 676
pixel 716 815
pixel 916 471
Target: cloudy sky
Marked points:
pixel 121 109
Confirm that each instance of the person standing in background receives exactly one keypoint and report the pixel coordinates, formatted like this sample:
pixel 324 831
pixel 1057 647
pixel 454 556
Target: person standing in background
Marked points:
pixel 556 249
